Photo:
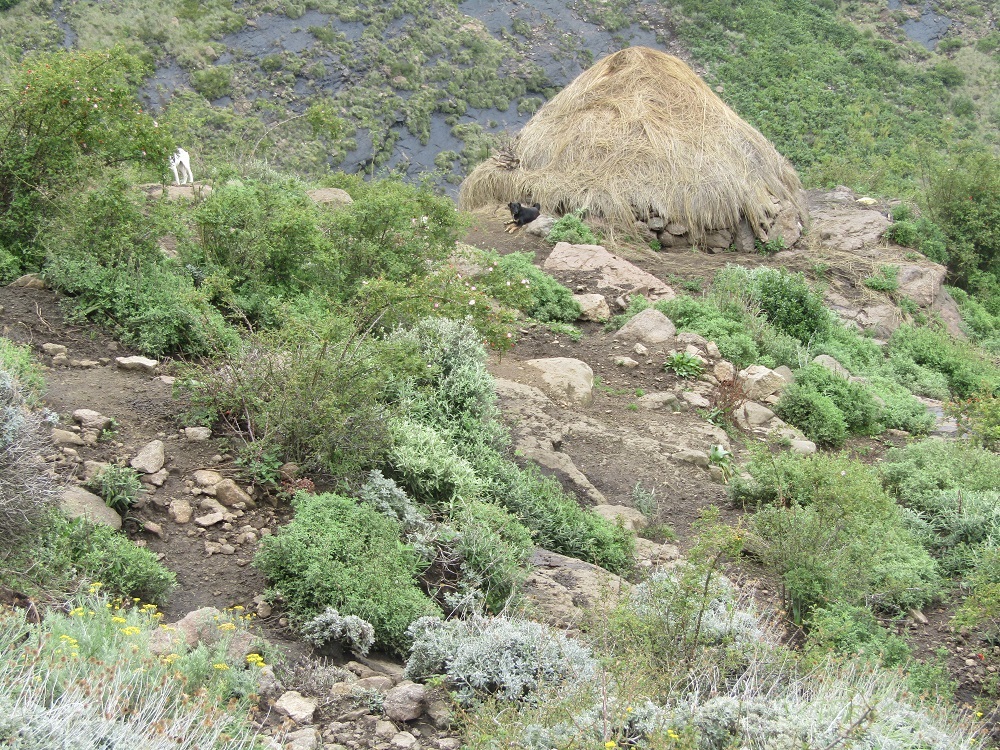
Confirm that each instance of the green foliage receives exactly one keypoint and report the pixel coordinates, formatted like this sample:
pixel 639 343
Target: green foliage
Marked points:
pixel 214 82
pixel 847 630
pixel 105 254
pixel 917 473
pixel 833 534
pixel 16 362
pixel 312 391
pixel 684 365
pixel 701 316
pixel 886 279
pixel 426 465
pixel 809 400
pixel 981 316
pixel 979 418
pixel 966 369
pixel 570 228
pixel 785 299
pixel 338 554
pixel 815 413
pixel 63 116
pixel 516 281
pixel 118 485
pixel 981 608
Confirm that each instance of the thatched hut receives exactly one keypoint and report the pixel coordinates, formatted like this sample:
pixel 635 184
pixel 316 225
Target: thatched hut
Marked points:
pixel 640 137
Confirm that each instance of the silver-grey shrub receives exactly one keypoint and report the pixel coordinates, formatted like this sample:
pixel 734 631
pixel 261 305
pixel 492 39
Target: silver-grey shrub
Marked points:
pixel 501 657
pixel 331 628
pixel 26 490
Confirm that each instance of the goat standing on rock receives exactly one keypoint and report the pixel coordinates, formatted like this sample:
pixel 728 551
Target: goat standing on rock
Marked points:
pixel 181 159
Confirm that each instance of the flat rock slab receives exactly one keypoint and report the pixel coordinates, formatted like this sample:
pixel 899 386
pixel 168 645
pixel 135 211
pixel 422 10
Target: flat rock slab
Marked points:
pixel 566 378
pixel 630 518
pixel 77 502
pixel 143 364
pixel 560 588
pixel 615 272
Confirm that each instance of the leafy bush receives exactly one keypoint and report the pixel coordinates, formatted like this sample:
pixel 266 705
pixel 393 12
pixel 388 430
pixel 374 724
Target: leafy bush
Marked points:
pixel 570 228
pixel 65 680
pixel 886 279
pixel 26 490
pixel 829 529
pixel 509 659
pixel 684 365
pixel 118 485
pixel 922 234
pixel 516 281
pixel 815 413
pixel 336 553
pixel 855 403
pixel 785 299
pixel 63 116
pixel 848 630
pixel 214 82
pixel 425 464
pixel 979 418
pixel 981 608
pixel 329 627
pixel 967 371
pixel 702 317
pixel 917 473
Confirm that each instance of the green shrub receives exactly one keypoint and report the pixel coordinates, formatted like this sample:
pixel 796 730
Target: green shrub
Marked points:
pixel 832 533
pixel 426 466
pixel 814 413
pixel 886 279
pixel 684 365
pixel 118 485
pixel 981 608
pixel 979 418
pixel 515 280
pixel 918 473
pixel 785 299
pixel 336 553
pixel 854 401
pixel 704 318
pixel 570 228
pixel 848 630
pixel 54 137
pixel 214 82
pixel 16 362
pixel 967 370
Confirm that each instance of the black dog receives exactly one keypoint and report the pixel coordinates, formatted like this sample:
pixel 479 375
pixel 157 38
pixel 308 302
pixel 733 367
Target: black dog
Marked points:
pixel 521 215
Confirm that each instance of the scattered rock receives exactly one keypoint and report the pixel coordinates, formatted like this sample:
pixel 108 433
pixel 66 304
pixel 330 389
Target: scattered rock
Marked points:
pixel 157 479
pixel 206 478
pixel 153 528
pixel 92 468
pixel 560 588
pixel 652 401
pixel 92 420
pixel 180 510
pixel 917 616
pixel 614 271
pixel 650 327
pixel 751 414
pixel 77 502
pixel 640 350
pixel 296 706
pixel 785 372
pixel 568 379
pixel 210 519
pixel 54 349
pixel 695 399
pixel 724 371
pixel 143 364
pixel 405 702
pixel 593 307
pixel 60 360
pixel 65 437
pixel 540 227
pixel 150 459
pixel 229 494
pixel 29 281
pixel 759 382
pixel 629 518
pixel 804 447
pixel 626 362
pixel 307 738
pixel 403 740
pixel 696 457
pixel 197 434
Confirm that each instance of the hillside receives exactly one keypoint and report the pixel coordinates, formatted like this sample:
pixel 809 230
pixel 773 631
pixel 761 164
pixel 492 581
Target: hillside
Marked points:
pixel 300 455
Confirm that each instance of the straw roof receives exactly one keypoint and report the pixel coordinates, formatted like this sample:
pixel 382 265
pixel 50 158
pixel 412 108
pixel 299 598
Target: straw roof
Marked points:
pixel 638 135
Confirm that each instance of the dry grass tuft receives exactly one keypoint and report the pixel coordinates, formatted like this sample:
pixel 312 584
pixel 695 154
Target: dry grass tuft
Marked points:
pixel 638 135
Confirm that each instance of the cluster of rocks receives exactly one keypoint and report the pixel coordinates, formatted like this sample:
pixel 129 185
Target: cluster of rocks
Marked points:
pixel 783 222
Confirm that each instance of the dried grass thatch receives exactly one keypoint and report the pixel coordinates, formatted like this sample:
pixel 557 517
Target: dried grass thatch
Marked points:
pixel 639 135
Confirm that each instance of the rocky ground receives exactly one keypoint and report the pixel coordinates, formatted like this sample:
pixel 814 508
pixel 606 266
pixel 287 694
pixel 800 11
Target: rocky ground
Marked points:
pixel 601 414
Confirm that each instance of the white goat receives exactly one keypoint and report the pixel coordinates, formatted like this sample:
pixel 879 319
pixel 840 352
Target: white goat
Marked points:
pixel 182 159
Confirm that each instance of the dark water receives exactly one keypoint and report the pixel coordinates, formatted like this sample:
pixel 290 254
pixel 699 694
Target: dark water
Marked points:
pixel 927 30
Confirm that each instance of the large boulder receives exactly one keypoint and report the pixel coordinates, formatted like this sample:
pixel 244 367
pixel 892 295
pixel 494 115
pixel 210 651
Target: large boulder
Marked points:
pixel 560 589
pixel 650 327
pixel 759 382
pixel 566 379
pixel 614 272
pixel 76 502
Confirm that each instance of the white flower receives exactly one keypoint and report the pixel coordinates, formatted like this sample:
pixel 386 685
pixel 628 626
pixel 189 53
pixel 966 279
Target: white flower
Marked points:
pixel 472 302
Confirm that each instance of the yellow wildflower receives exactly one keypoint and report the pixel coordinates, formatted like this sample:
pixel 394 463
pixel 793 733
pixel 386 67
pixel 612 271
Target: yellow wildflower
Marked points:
pixel 131 630
pixel 610 744
pixel 119 620
pixel 221 666
pixel 256 660
pixel 227 626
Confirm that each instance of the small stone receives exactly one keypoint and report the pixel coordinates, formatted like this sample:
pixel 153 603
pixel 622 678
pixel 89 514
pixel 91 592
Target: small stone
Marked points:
pixel 641 350
pixel 696 457
pixel 65 437
pixel 143 364
pixel 209 519
pixel 60 360
pixel 917 616
pixel 29 281
pixel 695 399
pixel 92 420
pixel 385 729
pixel 803 447
pixel 724 371
pixel 593 307
pixel 626 362
pixel 229 494
pixel 197 434
pixel 167 379
pixel 378 682
pixel 157 479
pixel 92 468
pixel 405 702
pixel 713 350
pixel 307 738
pixel 403 740
pixel 153 528
pixel 296 706
pixel 150 459
pixel 227 549
pixel 629 518
pixel 180 510
pixel 54 349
